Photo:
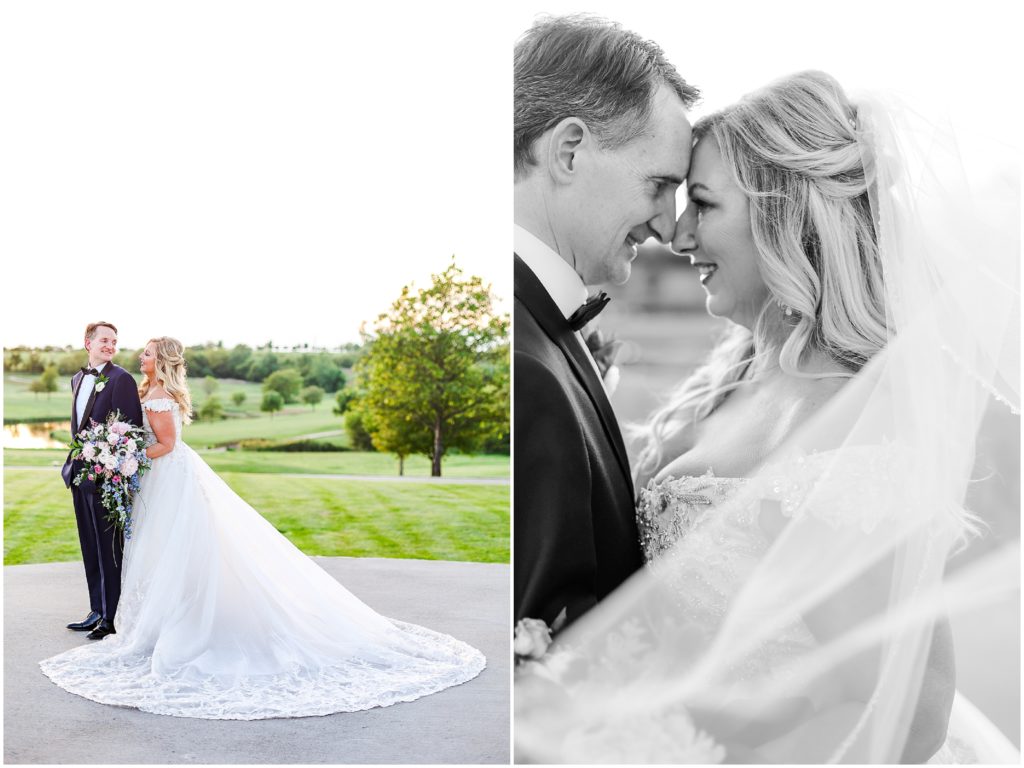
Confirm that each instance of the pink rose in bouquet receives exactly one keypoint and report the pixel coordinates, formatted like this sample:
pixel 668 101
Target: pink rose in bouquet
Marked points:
pixel 116 456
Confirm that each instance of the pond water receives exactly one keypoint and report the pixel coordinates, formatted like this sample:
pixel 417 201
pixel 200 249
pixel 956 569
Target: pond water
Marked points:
pixel 35 435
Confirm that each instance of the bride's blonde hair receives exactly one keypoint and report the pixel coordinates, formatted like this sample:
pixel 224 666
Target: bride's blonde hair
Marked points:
pixel 169 371
pixel 793 148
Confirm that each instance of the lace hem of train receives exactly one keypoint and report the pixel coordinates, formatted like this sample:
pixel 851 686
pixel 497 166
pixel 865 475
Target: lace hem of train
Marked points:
pixel 129 680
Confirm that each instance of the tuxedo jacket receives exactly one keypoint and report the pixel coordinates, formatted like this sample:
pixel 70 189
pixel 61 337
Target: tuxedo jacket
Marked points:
pixel 120 393
pixel 575 525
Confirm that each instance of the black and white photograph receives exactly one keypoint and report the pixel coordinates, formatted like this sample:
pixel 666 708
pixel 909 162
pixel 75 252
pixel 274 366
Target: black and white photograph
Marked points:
pixel 766 384
pixel 256 387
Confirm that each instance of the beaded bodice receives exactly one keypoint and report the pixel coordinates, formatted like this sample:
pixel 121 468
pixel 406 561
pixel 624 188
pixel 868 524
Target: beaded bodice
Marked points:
pixel 668 510
pixel 717 545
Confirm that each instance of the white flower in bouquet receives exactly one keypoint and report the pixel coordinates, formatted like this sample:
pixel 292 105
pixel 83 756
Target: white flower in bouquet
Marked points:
pixel 129 466
pixel 120 427
pixel 532 638
pixel 108 461
pixel 131 446
pixel 89 451
pixel 113 438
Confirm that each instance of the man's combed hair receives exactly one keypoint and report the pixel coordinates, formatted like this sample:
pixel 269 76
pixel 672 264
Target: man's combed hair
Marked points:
pixel 90 329
pixel 586 67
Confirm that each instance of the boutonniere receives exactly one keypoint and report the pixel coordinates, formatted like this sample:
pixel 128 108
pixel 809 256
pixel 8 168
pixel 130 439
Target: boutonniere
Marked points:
pixel 604 348
pixel 101 382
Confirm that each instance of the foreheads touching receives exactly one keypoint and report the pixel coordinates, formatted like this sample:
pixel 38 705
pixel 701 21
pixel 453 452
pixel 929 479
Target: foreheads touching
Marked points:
pixel 594 70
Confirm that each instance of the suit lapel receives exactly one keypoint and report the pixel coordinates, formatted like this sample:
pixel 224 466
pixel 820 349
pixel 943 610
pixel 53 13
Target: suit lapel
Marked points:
pixel 539 303
pixel 92 397
pixel 76 384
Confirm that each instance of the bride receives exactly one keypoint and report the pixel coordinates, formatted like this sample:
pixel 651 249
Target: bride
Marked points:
pixel 221 617
pixel 800 493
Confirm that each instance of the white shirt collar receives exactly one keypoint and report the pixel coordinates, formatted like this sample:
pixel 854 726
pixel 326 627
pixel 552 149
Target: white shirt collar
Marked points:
pixel 560 280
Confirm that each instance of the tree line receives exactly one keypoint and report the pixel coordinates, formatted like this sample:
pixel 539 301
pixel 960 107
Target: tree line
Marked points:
pixel 322 369
pixel 431 375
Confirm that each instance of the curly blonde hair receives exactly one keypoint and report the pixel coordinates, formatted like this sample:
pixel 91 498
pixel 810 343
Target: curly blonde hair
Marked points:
pixel 795 150
pixel 170 371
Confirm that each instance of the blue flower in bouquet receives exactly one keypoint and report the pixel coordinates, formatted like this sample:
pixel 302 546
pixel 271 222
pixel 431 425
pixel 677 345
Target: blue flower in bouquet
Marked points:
pixel 115 456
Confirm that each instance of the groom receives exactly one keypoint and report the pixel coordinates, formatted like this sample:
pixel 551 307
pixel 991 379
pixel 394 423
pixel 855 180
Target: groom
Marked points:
pixel 602 142
pixel 96 391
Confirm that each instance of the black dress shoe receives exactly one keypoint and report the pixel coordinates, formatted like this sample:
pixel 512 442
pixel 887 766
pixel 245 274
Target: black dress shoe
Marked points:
pixel 88 623
pixel 103 628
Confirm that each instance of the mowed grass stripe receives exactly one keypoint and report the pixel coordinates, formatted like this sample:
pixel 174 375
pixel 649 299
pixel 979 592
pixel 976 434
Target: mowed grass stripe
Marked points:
pixel 315 463
pixel 321 516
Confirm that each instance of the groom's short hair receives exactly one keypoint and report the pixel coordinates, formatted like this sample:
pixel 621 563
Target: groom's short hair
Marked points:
pixel 90 329
pixel 587 67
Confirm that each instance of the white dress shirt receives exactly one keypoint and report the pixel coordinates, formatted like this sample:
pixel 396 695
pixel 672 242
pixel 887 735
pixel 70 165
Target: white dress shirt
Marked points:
pixel 84 391
pixel 563 285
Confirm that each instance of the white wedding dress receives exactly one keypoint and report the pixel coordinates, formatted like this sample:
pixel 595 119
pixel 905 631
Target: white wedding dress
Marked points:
pixel 222 617
pixel 718 545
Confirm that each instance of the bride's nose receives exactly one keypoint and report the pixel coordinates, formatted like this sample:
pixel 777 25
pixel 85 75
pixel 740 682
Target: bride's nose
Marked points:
pixel 685 237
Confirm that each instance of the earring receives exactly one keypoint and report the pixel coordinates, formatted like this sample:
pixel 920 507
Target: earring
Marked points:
pixel 786 309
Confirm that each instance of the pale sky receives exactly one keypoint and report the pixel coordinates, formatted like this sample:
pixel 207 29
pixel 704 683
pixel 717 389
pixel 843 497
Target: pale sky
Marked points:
pixel 253 171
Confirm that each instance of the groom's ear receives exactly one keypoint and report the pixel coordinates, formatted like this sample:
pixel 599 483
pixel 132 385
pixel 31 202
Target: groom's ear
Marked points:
pixel 567 140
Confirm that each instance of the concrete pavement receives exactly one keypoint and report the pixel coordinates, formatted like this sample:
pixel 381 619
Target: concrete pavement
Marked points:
pixel 465 724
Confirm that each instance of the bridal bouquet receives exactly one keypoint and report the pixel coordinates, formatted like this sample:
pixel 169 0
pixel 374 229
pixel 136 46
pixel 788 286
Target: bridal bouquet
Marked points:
pixel 115 459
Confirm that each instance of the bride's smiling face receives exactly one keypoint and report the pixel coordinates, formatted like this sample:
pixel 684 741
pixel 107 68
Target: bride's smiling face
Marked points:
pixel 714 231
pixel 147 360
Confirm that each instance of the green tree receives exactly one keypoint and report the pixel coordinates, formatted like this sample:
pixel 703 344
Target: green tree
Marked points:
pixel 35 363
pixel 343 399
pixel 287 382
pixel 212 409
pixel 356 427
pixel 47 381
pixel 262 365
pixel 210 385
pixel 272 401
pixel 325 373
pixel 312 396
pixel 238 398
pixel 435 370
pixel 239 359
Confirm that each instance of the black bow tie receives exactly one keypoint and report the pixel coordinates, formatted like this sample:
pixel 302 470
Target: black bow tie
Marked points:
pixel 591 309
pixel 90 371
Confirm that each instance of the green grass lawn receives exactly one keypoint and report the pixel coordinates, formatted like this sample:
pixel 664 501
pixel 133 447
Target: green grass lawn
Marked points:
pixel 269 462
pixel 321 516
pixel 291 422
pixel 22 405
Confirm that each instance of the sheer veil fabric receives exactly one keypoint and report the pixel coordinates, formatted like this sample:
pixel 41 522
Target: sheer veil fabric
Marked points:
pixel 222 617
pixel 819 649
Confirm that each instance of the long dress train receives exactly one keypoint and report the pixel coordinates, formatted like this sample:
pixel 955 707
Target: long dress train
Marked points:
pixel 222 617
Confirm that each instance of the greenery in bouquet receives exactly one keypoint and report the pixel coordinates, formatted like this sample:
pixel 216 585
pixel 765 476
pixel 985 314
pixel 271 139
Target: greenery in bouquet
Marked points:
pixel 115 459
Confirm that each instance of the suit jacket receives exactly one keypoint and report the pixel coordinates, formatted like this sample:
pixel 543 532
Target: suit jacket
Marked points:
pixel 121 393
pixel 575 521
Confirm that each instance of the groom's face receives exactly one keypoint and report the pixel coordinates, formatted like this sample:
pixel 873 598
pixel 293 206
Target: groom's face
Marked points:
pixel 627 194
pixel 102 346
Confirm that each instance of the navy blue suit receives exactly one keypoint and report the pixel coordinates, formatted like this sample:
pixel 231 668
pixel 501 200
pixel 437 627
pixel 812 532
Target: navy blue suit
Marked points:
pixel 101 542
pixel 575 521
